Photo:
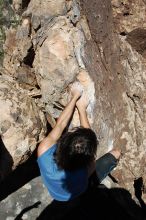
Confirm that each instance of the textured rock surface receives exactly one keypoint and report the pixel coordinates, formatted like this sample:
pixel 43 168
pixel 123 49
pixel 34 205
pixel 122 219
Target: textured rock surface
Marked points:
pixel 7 18
pixel 33 197
pixel 120 73
pixel 129 15
pixel 21 125
pixel 94 42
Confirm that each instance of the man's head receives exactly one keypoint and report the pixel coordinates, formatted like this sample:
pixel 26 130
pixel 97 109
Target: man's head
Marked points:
pixel 76 149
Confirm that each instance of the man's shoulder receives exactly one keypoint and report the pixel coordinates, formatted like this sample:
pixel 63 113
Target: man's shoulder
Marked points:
pixel 45 144
pixel 45 150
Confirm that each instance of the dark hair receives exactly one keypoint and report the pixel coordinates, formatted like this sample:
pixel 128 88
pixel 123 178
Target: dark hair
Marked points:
pixel 76 149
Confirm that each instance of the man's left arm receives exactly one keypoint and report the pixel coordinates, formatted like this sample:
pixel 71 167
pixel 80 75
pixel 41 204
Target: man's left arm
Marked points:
pixel 61 123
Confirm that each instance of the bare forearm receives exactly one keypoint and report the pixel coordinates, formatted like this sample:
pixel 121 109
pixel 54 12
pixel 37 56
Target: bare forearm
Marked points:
pixel 84 122
pixel 62 122
pixel 67 113
pixel 56 132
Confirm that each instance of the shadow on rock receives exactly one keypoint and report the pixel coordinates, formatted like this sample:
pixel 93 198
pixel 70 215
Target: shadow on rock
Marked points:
pixel 20 216
pixel 98 202
pixel 19 177
pixel 139 190
pixel 4 156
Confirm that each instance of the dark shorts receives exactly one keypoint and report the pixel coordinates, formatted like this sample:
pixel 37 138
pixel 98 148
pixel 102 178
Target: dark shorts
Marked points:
pixel 104 165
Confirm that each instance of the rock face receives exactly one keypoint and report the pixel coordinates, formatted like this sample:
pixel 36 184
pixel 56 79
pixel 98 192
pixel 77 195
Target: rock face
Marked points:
pixel 21 125
pixel 8 18
pixel 93 42
pixel 120 73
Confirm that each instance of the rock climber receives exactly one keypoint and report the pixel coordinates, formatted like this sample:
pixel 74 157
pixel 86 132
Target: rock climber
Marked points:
pixel 67 159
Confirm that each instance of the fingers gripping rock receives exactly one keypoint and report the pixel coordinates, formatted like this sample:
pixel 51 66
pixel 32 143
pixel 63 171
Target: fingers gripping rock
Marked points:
pixel 77 87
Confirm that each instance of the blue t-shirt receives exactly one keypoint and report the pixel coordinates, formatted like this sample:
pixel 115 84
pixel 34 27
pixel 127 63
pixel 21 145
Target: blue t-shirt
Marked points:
pixel 62 185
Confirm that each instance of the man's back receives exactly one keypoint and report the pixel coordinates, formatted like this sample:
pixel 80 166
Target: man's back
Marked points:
pixel 62 185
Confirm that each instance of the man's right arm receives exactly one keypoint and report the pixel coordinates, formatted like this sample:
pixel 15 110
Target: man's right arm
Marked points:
pixel 82 104
pixel 84 122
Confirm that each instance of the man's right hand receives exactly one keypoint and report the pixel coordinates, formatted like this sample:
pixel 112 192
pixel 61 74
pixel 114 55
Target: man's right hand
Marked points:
pixel 82 103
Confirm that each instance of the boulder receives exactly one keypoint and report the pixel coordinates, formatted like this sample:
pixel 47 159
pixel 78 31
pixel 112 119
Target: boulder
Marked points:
pixel 22 125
